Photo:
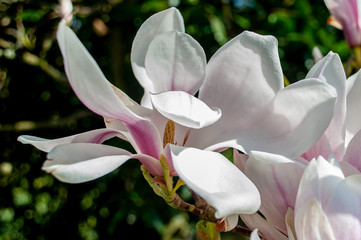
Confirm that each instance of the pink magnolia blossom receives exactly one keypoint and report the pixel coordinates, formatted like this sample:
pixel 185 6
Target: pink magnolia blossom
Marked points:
pixel 241 104
pixel 346 15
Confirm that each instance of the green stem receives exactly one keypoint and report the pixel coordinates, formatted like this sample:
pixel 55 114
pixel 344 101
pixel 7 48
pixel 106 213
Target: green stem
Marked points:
pixel 207 231
pixel 151 181
pixel 357 51
pixel 166 171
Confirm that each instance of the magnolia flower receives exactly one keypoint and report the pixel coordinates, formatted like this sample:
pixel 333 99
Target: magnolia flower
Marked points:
pixel 278 177
pixel 346 16
pixel 171 66
pixel 241 103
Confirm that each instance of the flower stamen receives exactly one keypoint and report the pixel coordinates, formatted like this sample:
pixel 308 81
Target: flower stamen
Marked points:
pixel 169 133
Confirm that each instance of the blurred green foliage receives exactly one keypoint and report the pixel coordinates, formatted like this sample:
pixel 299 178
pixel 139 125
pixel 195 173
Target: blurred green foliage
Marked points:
pixel 36 99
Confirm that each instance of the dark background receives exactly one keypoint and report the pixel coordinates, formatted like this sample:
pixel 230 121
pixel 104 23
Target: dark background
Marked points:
pixel 36 99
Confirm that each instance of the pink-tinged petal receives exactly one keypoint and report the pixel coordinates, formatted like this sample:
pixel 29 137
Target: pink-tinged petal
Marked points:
pixel 213 177
pixel 88 81
pixel 318 181
pixel 294 122
pixel 321 148
pixel 175 62
pixel 185 109
pixel 348 169
pixel 353 152
pixel 353 116
pixel 330 70
pixel 146 138
pixel 82 162
pixel 241 78
pixel 152 164
pixel 348 14
pixel 167 152
pixel 165 21
pixel 239 159
pixel 311 222
pixel 277 179
pixel 265 229
pixel 344 208
pixel 94 136
pixel 97 94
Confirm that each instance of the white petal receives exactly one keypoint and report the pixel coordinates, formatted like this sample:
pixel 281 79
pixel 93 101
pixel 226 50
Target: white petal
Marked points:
pixel 94 136
pixel 82 162
pixel 318 181
pixel 165 21
pixel 254 235
pixel 246 71
pixel 311 223
pixel 242 77
pixel 185 109
pixel 330 70
pixel 254 110
pixel 344 209
pixel 353 117
pixel 295 120
pixel 175 62
pixel 88 81
pixel 213 177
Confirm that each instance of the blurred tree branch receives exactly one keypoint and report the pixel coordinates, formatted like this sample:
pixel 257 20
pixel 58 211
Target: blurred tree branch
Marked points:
pixel 22 126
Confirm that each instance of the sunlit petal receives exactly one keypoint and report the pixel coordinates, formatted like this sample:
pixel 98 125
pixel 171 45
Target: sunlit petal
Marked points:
pixel 175 62
pixel 165 21
pixel 241 78
pixel 330 70
pixel 185 109
pixel 88 81
pixel 82 162
pixel 319 180
pixel 290 131
pixel 217 180
pixel 353 117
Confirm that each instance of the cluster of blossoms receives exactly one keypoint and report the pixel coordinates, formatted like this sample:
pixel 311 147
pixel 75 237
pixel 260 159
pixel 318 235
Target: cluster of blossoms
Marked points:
pixel 297 155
